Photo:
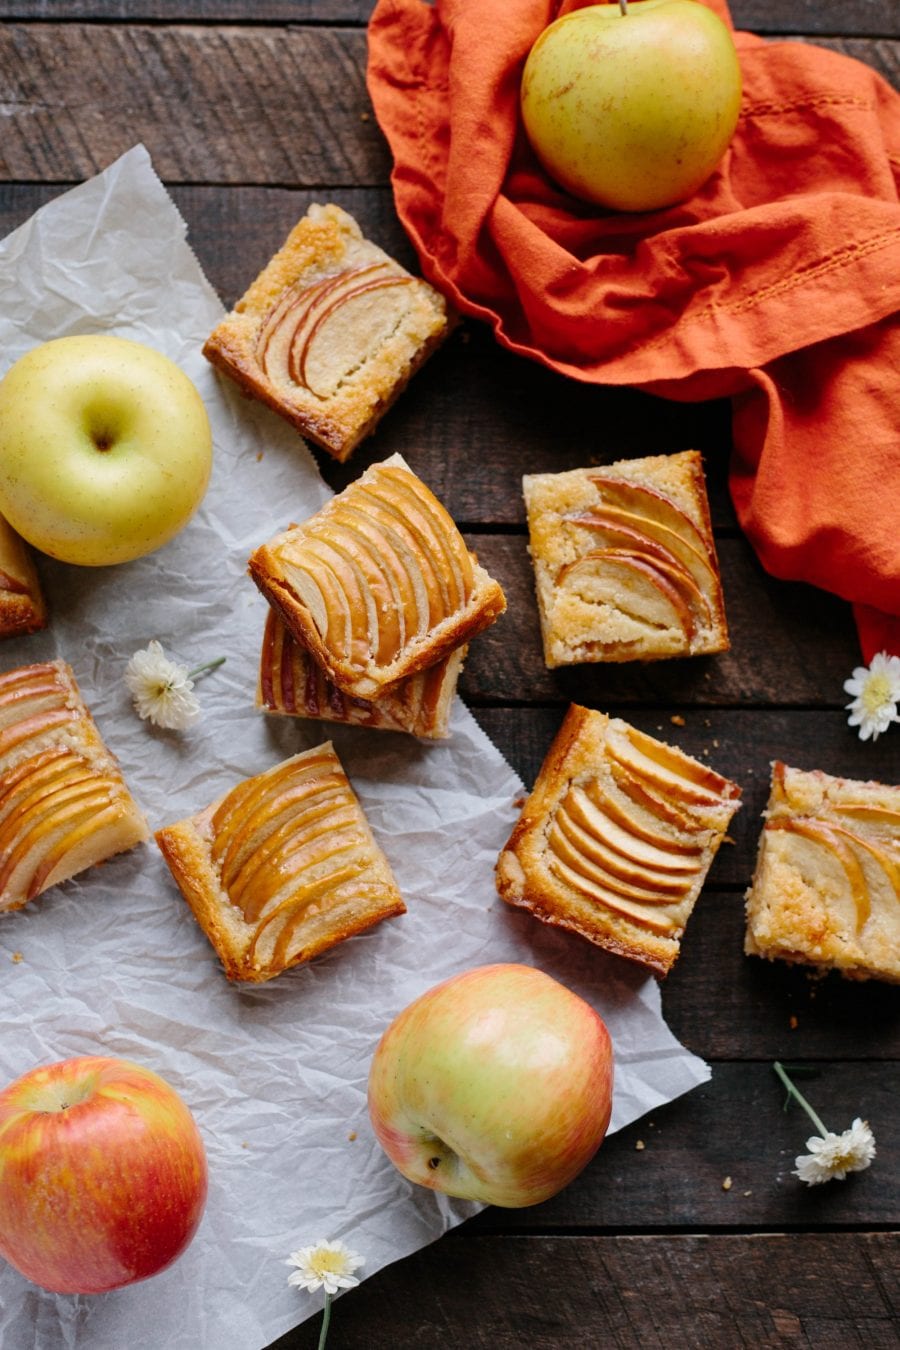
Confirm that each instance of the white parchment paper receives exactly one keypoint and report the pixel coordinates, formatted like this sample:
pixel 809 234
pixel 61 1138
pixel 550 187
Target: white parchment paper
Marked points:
pixel 112 962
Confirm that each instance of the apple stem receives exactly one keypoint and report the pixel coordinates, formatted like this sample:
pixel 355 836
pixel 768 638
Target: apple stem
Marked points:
pixel 623 6
pixel 799 1098
pixel 207 666
pixel 326 1318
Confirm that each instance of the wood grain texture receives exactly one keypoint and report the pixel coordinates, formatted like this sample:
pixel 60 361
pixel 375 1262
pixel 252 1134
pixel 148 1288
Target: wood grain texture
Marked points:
pixel 847 17
pixel 768 1292
pixel 279 105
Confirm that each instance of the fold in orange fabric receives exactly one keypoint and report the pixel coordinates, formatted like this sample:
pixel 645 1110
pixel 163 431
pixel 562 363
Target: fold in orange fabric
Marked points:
pixel 777 285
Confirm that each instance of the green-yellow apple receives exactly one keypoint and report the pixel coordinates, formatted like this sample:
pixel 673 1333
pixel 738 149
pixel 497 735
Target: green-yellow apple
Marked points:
pixel 495 1085
pixel 103 1175
pixel 105 449
pixel 632 110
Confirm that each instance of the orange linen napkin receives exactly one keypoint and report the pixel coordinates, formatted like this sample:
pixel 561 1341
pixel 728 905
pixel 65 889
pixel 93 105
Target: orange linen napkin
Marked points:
pixel 777 285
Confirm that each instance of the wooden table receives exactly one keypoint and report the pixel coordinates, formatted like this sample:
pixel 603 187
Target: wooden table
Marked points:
pixel 251 110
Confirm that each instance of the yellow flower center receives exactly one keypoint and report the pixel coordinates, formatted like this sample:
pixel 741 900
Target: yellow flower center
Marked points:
pixel 876 693
pixel 328 1263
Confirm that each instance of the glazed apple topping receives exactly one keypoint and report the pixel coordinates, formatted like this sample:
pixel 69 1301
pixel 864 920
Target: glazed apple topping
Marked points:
pixel 317 334
pixel 651 562
pixel 285 844
pixel 379 568
pixel 869 864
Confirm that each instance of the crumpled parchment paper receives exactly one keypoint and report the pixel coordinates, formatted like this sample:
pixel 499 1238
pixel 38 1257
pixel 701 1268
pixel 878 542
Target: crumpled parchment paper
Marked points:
pixel 113 963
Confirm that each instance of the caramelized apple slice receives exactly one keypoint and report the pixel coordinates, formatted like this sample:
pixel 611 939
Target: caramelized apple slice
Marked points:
pixel 651 505
pixel 300 901
pixel 826 836
pixel 615 831
pixel 665 769
pixel 613 869
pixel 314 851
pixel 631 583
pixel 355 323
pixel 660 920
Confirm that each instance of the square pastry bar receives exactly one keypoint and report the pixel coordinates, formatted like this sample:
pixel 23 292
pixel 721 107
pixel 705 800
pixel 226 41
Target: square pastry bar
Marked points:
pixel 617 837
pixel 379 584
pixel 292 684
pixel 282 867
pixel 22 608
pixel 624 561
pixel 826 890
pixel 330 332
pixel 63 802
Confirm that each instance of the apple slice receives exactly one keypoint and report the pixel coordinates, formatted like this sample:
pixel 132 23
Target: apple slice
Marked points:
pixel 595 814
pixel 662 768
pixel 33 728
pixel 322 576
pixel 565 843
pixel 228 817
pixel 634 835
pixel 420 562
pixel 375 565
pixel 824 835
pixel 278 843
pixel 606 518
pixel 632 583
pixel 613 865
pixel 429 516
pixel 872 815
pixel 658 919
pixel 347 333
pixel 42 770
pixel 318 851
pixel 84 843
pixel 651 505
pixel 266 816
pixel 300 902
pixel 278 330
pixel 37 836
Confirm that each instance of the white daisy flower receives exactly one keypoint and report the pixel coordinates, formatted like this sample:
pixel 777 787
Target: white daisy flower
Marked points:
pixel 876 693
pixel 836 1155
pixel 163 690
pixel 831 1157
pixel 324 1265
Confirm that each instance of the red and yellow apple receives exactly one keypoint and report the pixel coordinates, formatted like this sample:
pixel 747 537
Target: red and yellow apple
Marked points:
pixel 632 110
pixel 105 449
pixel 103 1175
pixel 495 1085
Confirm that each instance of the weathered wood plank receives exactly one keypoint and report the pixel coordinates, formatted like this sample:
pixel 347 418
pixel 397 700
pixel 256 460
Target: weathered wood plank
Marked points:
pixel 846 17
pixel 791 644
pixel 733 1126
pixel 230 105
pixel 772 1292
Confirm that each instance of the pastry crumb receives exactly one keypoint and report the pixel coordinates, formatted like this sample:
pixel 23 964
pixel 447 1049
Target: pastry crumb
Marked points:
pixel 677 720
pixel 17 958
pixel 793 1023
pixel 352 1136
pixel 640 1145
pixel 727 1184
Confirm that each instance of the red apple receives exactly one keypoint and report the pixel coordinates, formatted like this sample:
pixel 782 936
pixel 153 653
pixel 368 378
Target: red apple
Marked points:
pixel 102 1175
pixel 495 1085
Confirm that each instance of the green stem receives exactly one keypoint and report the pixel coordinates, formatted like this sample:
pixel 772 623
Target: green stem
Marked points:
pixel 798 1096
pixel 326 1318
pixel 207 665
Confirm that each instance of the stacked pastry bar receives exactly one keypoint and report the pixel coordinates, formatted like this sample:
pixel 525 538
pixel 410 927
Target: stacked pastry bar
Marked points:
pixel 330 332
pixel 826 890
pixel 625 564
pixel 617 837
pixel 374 599
pixel 63 803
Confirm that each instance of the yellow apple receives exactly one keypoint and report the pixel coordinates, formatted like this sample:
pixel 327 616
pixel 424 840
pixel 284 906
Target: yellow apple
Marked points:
pixel 105 449
pixel 632 110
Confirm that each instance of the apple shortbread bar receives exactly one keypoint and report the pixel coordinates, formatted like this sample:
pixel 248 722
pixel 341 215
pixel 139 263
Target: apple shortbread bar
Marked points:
pixel 624 560
pixel 379 584
pixel 616 839
pixel 826 890
pixel 330 332
pixel 292 684
pixel 282 867
pixel 22 607
pixel 63 802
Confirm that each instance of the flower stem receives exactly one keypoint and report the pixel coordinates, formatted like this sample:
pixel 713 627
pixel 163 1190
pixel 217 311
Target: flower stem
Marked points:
pixel 326 1318
pixel 798 1097
pixel 207 665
